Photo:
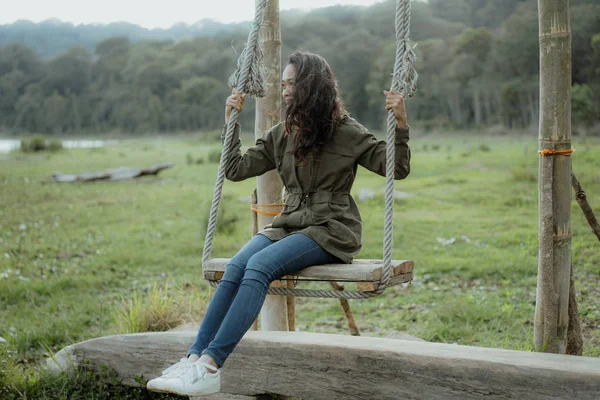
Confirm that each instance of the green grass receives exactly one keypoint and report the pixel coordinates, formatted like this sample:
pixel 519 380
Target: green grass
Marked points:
pixel 76 260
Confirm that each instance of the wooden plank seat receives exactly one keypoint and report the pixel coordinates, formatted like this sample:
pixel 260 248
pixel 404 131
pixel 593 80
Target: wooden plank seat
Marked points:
pixel 366 273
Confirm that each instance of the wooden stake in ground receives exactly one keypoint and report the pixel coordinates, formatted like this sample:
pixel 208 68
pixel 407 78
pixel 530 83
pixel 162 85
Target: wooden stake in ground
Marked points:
pixel 291 308
pixel 274 316
pixel 554 262
pixel 347 311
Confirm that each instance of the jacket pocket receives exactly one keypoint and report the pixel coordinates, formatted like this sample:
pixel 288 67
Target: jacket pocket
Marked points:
pixel 291 204
pixel 320 211
pixel 343 233
pixel 292 214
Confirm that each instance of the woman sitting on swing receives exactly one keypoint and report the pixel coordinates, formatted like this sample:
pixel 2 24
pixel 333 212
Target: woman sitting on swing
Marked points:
pixel 316 152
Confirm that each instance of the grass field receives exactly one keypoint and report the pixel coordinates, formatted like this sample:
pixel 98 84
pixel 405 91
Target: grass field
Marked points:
pixel 84 260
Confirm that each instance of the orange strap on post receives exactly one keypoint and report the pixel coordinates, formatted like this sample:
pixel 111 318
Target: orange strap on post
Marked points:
pixel 566 152
pixel 270 213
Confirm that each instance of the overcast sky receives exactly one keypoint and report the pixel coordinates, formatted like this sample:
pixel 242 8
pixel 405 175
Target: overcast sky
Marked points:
pixel 147 13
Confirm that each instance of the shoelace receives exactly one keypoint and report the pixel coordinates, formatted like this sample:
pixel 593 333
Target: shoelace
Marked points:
pixel 198 371
pixel 175 368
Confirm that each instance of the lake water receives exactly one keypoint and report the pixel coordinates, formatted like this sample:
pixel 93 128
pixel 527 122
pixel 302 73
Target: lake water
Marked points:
pixel 7 145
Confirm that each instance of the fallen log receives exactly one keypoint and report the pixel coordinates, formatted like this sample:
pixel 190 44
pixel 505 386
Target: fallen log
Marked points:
pixel 322 366
pixel 118 174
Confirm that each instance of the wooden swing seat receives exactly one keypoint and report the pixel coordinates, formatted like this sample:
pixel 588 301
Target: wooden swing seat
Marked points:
pixel 366 273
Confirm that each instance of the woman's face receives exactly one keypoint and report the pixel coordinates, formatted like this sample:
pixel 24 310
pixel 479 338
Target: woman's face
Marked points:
pixel 287 83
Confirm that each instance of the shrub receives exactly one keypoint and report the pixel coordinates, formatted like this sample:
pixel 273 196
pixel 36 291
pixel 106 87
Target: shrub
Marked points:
pixel 55 145
pixel 24 145
pixel 39 143
pixel 214 156
pixel 484 147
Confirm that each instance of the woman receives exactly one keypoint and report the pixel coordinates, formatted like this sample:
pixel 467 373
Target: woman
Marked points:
pixel 316 152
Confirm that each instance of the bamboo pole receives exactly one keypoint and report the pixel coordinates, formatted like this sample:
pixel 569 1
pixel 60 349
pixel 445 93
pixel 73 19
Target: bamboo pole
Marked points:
pixel 554 261
pixel 274 315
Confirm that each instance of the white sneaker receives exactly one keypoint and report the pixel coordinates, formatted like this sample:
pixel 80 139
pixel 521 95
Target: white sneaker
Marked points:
pixel 159 384
pixel 195 380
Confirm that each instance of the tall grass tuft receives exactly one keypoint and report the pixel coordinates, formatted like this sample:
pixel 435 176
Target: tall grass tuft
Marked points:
pixel 157 311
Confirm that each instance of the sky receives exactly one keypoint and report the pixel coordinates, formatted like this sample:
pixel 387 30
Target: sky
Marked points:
pixel 148 13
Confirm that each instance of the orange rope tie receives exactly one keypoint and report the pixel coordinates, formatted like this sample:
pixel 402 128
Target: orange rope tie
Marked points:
pixel 566 153
pixel 270 213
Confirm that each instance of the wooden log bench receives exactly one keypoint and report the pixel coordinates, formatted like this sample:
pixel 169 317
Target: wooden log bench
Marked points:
pixel 313 366
pixel 366 273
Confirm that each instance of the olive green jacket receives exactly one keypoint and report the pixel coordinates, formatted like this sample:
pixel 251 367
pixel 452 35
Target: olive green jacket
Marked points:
pixel 322 208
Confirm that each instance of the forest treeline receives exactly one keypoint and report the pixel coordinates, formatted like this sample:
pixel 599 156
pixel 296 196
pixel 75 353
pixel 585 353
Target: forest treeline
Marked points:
pixel 478 66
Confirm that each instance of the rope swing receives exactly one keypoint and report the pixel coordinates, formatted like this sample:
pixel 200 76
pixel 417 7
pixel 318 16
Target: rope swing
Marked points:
pixel 249 79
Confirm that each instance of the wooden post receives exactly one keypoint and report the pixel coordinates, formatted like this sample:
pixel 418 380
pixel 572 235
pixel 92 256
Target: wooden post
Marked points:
pixel 291 308
pixel 554 262
pixel 254 200
pixel 274 315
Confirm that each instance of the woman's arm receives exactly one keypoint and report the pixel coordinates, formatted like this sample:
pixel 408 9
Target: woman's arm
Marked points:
pixel 256 161
pixel 373 152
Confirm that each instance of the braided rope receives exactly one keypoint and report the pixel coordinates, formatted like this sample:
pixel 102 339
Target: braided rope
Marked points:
pixel 404 80
pixel 248 78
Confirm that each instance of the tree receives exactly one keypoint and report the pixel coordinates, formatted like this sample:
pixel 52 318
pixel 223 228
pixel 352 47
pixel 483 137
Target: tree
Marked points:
pixel 68 73
pixel 54 113
pixel 113 55
pixel 516 51
pixel 582 103
pixel 355 50
pixel 203 100
pixel 586 24
pixel 477 61
pixel 27 109
pixel 17 56
pixel 452 10
pixel 475 42
pixel 11 86
pixel 491 13
pixel 473 47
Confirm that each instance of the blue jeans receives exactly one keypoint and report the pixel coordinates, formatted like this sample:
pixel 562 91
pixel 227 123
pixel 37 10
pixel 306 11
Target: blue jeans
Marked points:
pixel 243 288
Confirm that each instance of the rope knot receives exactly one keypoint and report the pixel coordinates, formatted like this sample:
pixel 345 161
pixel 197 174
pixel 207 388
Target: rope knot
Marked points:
pixel 249 76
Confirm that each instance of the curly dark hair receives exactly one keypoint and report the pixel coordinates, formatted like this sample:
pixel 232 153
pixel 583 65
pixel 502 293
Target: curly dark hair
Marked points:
pixel 316 109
